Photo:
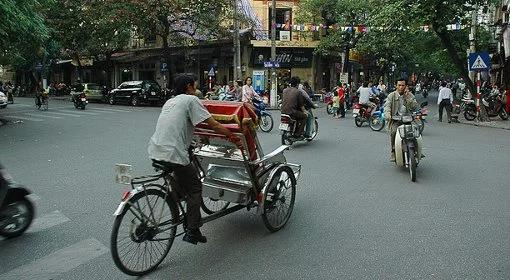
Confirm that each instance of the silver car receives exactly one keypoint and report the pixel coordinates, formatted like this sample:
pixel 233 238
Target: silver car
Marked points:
pixel 3 100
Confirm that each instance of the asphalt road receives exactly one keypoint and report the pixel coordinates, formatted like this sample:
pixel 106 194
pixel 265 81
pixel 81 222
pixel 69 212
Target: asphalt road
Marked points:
pixel 357 216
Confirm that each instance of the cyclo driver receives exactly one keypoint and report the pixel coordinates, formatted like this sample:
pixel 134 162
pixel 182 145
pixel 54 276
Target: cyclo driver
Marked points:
pixel 170 142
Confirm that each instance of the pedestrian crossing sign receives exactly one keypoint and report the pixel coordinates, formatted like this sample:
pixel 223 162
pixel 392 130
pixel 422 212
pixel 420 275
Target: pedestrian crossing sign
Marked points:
pixel 479 61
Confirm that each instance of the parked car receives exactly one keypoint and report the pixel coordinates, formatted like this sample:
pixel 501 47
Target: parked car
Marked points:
pixel 93 92
pixel 3 100
pixel 137 92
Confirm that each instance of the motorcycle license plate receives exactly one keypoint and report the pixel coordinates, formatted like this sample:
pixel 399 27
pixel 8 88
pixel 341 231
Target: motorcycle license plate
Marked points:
pixel 83 99
pixel 355 111
pixel 153 93
pixel 284 126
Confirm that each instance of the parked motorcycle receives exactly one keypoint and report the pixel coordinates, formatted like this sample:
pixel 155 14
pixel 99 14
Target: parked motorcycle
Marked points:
pixel 408 143
pixel 265 118
pixel 80 101
pixel 288 127
pixel 16 210
pixel 362 113
pixel 328 99
pixel 493 105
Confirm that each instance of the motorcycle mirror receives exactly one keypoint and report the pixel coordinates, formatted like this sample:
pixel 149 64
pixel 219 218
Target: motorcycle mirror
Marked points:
pixel 424 103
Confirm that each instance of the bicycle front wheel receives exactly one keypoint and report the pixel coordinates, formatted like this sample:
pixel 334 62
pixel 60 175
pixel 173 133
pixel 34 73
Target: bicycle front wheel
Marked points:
pixel 142 234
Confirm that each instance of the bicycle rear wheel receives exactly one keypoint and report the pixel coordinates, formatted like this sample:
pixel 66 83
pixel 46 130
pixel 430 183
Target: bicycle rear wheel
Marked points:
pixel 142 235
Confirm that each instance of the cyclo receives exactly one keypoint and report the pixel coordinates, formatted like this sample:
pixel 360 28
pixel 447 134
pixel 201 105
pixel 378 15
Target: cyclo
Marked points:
pixel 152 213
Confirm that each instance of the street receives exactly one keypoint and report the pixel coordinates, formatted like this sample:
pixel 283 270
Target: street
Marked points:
pixel 357 216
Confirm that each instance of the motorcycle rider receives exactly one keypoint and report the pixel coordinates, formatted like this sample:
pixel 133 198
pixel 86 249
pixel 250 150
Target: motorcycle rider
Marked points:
pixel 170 142
pixel 308 107
pixel 293 104
pixel 365 92
pixel 398 103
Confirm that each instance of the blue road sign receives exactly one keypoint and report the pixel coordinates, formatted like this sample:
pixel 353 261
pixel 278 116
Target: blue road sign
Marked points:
pixel 479 61
pixel 163 67
pixel 271 64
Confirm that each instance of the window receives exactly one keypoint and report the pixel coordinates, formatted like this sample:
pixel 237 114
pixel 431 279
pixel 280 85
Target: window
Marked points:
pixel 283 21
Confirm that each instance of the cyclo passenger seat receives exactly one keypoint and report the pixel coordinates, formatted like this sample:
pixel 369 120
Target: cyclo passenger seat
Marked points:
pixel 164 166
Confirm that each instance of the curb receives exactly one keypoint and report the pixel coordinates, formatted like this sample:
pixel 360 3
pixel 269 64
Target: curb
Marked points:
pixel 485 124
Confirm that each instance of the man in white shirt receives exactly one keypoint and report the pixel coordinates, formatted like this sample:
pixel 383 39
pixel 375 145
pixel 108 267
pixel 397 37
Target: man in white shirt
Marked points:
pixel 169 146
pixel 445 99
pixel 365 93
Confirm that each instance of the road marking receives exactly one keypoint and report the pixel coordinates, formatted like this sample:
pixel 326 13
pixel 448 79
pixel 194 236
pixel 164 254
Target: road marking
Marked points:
pixel 42 116
pixel 64 114
pixel 47 221
pixel 58 262
pixel 24 118
pixel 112 110
pixel 80 112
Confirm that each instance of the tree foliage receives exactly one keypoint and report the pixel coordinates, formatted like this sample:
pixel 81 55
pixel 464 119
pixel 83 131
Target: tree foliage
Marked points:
pixel 23 32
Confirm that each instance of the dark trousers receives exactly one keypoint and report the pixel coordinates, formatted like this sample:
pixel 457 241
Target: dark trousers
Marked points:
pixel 300 118
pixel 187 178
pixel 445 103
pixel 341 110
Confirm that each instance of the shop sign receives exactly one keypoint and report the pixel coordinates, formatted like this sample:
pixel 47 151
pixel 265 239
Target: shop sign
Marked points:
pixel 285 57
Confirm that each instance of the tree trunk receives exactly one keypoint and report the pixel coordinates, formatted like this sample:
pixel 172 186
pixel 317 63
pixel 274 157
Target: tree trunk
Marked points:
pixel 108 70
pixel 166 54
pixel 80 68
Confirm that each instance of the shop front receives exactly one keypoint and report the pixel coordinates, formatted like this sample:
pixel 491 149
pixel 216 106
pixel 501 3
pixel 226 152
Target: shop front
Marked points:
pixel 292 62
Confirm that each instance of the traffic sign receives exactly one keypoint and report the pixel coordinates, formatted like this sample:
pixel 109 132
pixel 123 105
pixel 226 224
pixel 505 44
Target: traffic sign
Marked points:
pixel 271 64
pixel 480 61
pixel 211 72
pixel 163 67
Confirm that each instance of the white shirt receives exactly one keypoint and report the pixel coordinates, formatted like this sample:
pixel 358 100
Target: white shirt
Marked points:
pixel 364 95
pixel 445 93
pixel 174 130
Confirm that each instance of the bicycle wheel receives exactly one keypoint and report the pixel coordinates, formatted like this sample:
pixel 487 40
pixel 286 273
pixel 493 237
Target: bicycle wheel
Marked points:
pixel 279 199
pixel 211 205
pixel 142 235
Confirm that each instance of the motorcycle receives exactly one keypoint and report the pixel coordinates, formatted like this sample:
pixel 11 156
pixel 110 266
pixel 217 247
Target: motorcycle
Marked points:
pixel 80 101
pixel 288 127
pixel 408 143
pixel 362 113
pixel 265 118
pixel 225 96
pixel 493 105
pixel 16 210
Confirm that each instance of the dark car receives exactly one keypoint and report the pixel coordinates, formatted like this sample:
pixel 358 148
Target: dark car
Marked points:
pixel 136 93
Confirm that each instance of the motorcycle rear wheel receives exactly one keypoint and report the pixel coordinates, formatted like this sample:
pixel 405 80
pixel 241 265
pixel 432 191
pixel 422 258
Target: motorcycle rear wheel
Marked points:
pixel 266 123
pixel 16 227
pixel 329 109
pixel 376 123
pixel 286 138
pixel 470 113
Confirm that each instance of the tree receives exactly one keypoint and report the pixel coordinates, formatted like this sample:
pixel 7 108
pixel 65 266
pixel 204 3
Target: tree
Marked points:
pixel 23 32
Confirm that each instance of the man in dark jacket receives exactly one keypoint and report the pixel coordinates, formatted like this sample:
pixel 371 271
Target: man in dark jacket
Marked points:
pixel 293 105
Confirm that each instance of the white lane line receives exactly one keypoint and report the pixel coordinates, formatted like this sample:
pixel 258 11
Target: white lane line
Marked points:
pixel 21 105
pixel 24 118
pixel 112 110
pixel 47 221
pixel 58 262
pixel 63 114
pixel 41 116
pixel 80 112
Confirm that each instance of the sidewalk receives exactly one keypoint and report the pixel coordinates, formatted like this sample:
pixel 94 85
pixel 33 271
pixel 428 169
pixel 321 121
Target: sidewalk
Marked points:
pixel 494 123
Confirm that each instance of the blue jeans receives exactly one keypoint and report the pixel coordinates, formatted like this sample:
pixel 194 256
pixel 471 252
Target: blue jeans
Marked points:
pixel 309 123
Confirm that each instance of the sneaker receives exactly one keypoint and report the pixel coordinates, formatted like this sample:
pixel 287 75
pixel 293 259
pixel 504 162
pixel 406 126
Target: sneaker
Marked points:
pixel 440 120
pixel 392 157
pixel 194 236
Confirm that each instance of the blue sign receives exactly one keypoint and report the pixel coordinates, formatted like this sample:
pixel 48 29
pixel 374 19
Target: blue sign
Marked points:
pixel 271 64
pixel 163 66
pixel 38 67
pixel 211 72
pixel 479 61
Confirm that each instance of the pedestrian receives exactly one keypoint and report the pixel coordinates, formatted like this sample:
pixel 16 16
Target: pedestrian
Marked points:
pixel 444 100
pixel 341 100
pixel 398 103
pixel 169 146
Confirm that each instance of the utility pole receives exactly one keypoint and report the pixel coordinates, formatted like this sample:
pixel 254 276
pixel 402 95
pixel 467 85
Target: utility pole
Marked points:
pixel 237 46
pixel 273 100
pixel 472 49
